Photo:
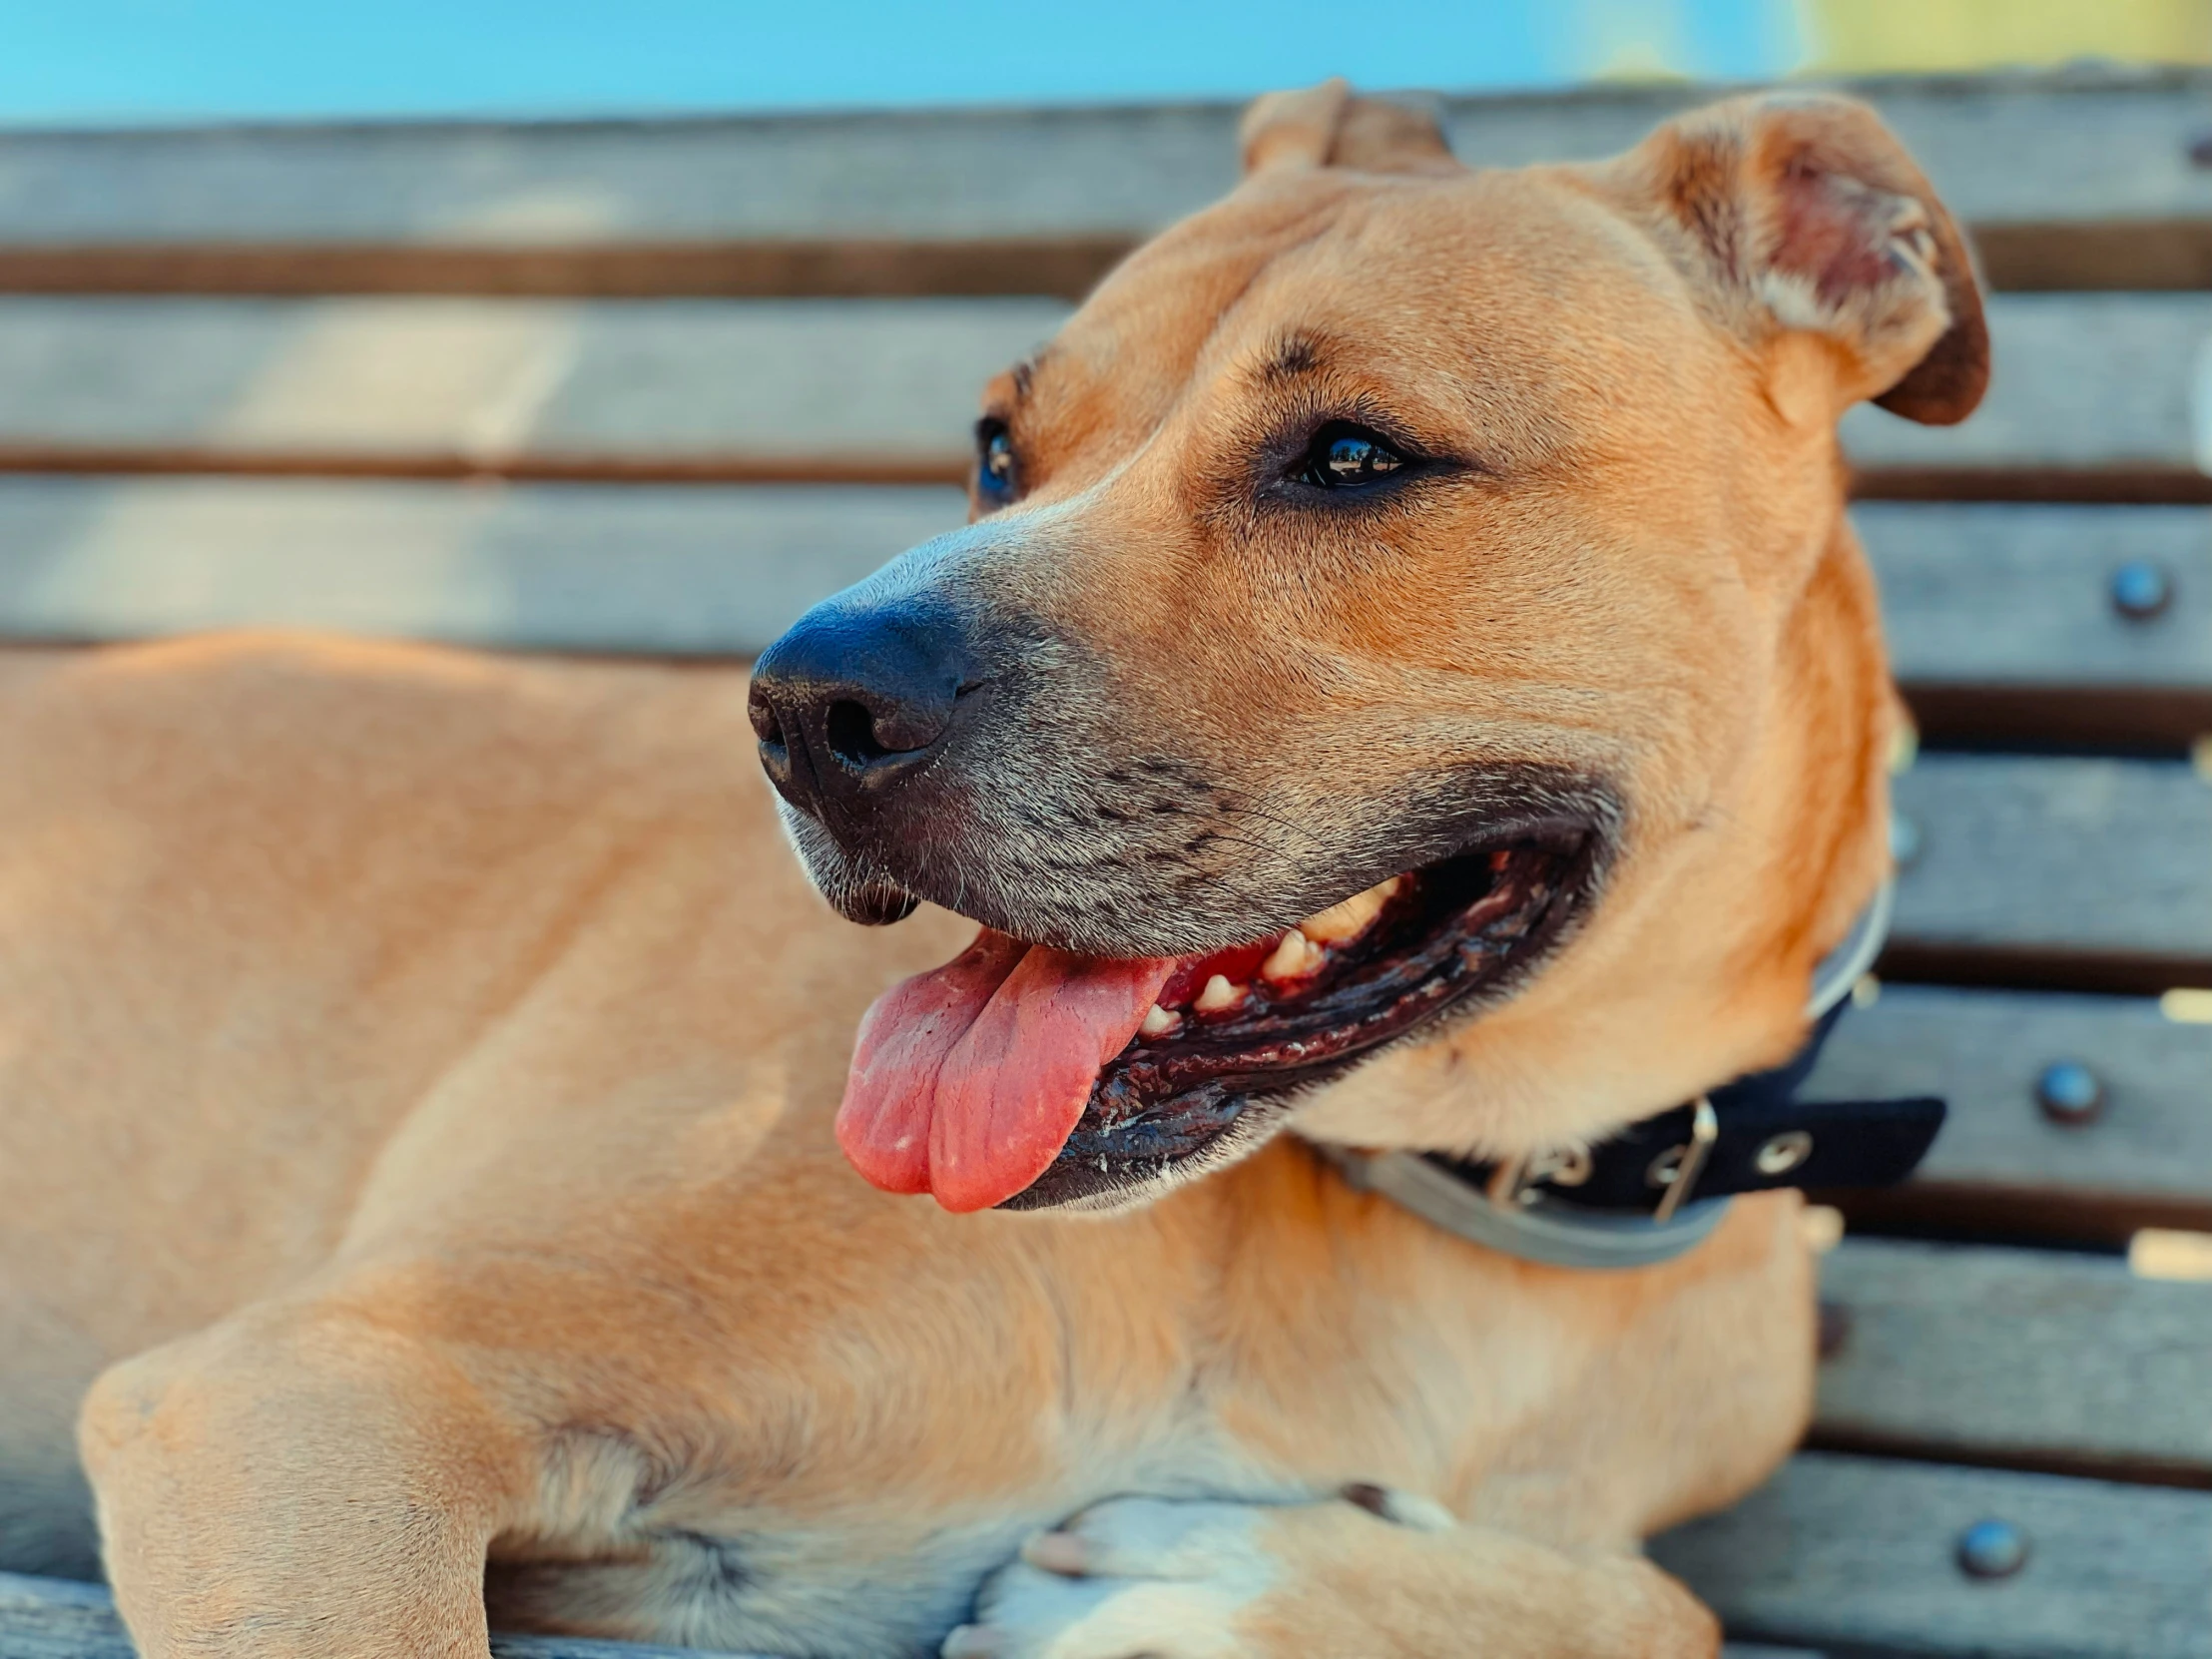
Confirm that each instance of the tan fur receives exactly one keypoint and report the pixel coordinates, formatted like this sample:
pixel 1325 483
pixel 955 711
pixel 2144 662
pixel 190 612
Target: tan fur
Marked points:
pixel 415 1070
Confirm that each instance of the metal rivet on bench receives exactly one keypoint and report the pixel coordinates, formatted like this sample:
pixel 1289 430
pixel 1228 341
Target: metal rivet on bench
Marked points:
pixel 2141 590
pixel 2200 150
pixel 1905 840
pixel 1992 1549
pixel 2069 1093
pixel 1835 1328
pixel 1783 1153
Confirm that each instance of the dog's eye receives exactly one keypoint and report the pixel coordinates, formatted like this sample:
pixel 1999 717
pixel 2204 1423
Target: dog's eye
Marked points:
pixel 995 462
pixel 1344 456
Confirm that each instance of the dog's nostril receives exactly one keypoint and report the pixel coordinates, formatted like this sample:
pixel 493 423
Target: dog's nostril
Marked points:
pixel 769 729
pixel 761 713
pixel 851 729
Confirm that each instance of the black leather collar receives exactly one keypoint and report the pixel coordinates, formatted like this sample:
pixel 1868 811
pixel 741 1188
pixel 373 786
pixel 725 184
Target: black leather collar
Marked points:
pixel 1657 1186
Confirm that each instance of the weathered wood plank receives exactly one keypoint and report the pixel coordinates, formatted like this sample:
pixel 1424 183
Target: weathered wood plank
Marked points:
pixel 53 1618
pixel 877 268
pixel 710 569
pixel 2076 179
pixel 2001 623
pixel 2000 617
pixel 701 387
pixel 2085 382
pixel 1861 1553
pixel 2018 1358
pixel 2002 1165
pixel 2062 871
pixel 2097 387
pixel 1990 594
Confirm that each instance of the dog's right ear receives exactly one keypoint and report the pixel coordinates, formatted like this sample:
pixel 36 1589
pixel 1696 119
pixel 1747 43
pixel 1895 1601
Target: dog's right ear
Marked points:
pixel 1326 126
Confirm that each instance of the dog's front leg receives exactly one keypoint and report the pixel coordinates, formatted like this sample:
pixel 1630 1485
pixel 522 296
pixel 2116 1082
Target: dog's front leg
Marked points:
pixel 300 1480
pixel 1378 1576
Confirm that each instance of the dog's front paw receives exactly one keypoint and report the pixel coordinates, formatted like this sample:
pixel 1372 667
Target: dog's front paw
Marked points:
pixel 1132 1575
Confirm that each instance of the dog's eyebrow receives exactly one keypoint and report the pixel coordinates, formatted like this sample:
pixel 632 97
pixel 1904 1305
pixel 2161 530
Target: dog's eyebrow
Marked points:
pixel 1025 374
pixel 1298 354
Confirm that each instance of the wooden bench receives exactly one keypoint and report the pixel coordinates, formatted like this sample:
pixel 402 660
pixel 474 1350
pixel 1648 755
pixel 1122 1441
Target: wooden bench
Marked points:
pixel 653 387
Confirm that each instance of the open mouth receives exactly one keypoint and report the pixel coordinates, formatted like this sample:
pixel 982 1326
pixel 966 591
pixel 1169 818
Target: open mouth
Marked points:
pixel 1028 1077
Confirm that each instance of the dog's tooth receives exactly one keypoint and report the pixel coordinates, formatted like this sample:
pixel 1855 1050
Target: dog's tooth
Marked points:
pixel 1159 1021
pixel 1352 918
pixel 1217 995
pixel 1294 958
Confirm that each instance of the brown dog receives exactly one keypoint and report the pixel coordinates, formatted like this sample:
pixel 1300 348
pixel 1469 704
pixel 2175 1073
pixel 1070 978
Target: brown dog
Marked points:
pixel 437 1057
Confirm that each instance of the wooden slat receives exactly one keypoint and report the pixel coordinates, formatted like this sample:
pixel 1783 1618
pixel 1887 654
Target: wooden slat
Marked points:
pixel 53 1618
pixel 2023 1359
pixel 879 268
pixel 2000 1166
pixel 2073 181
pixel 2001 625
pixel 744 390
pixel 710 569
pixel 1860 1554
pixel 2095 389
pixel 1998 616
pixel 2069 872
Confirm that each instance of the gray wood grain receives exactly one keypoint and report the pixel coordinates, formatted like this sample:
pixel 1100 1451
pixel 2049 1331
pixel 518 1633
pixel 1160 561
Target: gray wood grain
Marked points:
pixel 2065 855
pixel 2148 1155
pixel 2018 1356
pixel 2011 595
pixel 2085 381
pixel 50 1619
pixel 2003 596
pixel 1858 1552
pixel 549 566
pixel 2083 145
pixel 805 380
pixel 2080 380
pixel 53 1618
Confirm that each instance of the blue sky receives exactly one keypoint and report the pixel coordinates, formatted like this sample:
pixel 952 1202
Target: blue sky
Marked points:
pixel 99 61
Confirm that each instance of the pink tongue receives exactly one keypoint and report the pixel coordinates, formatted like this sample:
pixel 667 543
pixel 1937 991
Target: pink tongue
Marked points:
pixel 968 1080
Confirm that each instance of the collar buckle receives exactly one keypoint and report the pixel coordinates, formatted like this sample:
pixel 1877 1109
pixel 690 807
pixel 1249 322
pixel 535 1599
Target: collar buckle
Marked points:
pixel 1513 1184
pixel 1677 1168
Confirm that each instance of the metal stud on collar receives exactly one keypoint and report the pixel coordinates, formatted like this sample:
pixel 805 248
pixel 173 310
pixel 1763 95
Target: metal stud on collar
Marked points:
pixel 1783 1153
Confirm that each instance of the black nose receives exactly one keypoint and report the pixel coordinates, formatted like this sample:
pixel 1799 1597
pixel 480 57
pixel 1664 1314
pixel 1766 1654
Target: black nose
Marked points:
pixel 853 699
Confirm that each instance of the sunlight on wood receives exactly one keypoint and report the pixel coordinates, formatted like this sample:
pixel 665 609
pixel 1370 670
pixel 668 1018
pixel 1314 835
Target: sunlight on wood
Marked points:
pixel 2166 1252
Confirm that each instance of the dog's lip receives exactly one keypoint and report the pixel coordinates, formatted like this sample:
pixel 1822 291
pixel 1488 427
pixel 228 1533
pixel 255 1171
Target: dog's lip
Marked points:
pixel 1150 1119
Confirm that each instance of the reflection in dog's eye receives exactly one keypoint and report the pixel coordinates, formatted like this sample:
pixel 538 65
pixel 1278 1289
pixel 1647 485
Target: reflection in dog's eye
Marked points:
pixel 995 462
pixel 1342 455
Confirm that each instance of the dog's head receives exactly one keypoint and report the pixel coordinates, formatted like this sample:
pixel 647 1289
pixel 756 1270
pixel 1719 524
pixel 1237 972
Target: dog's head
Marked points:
pixel 1408 641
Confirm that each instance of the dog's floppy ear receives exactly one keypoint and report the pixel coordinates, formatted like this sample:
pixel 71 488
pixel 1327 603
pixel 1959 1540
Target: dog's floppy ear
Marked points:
pixel 1326 126
pixel 1809 215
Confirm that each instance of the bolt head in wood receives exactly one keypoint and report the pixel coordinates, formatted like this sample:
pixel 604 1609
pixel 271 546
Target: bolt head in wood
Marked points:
pixel 1992 1549
pixel 2141 590
pixel 2200 150
pixel 2069 1093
